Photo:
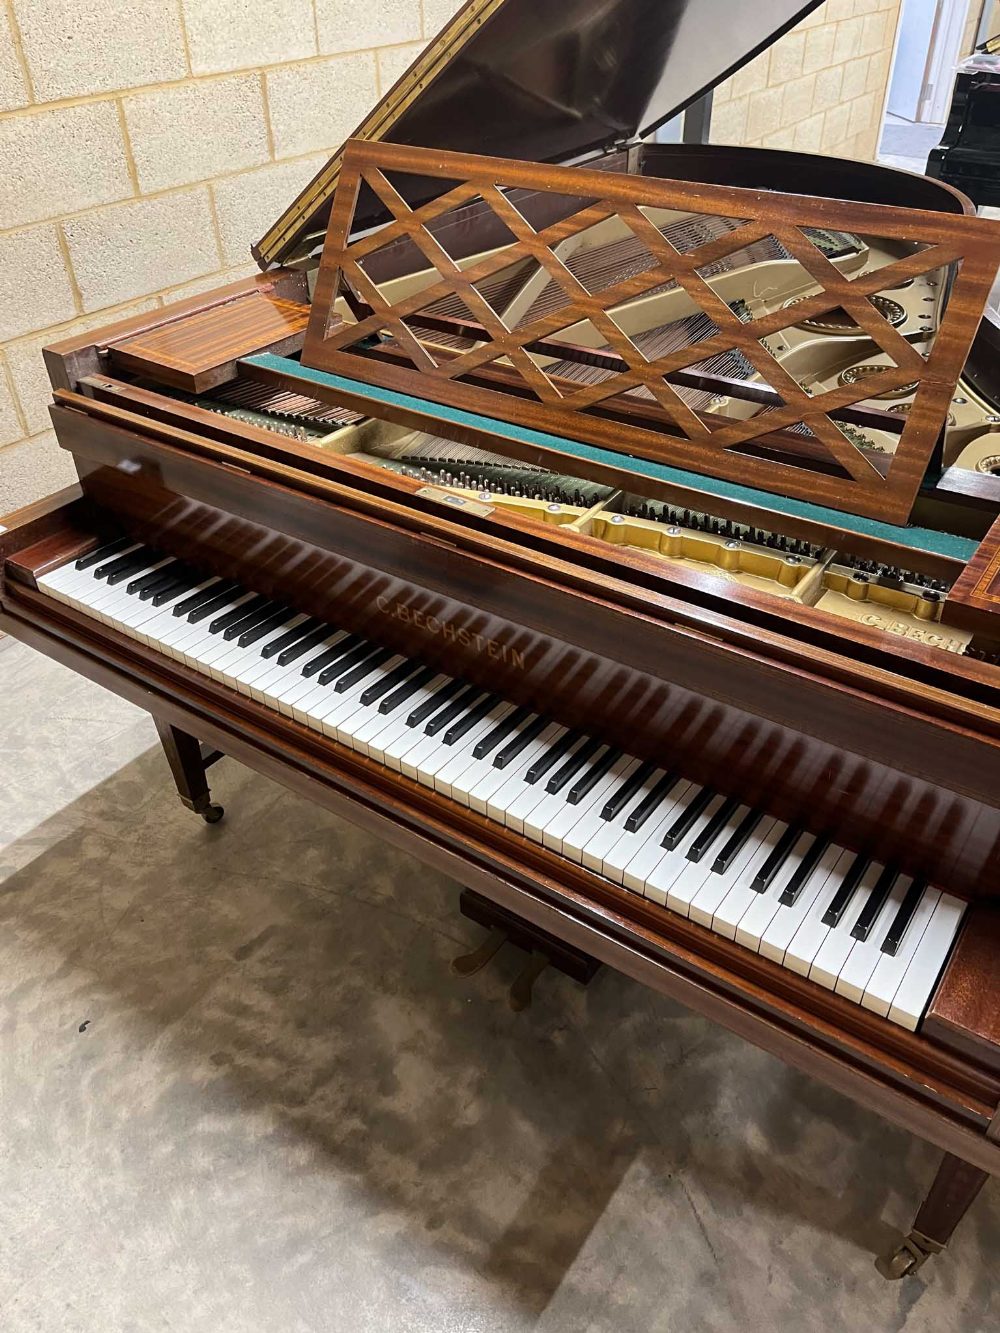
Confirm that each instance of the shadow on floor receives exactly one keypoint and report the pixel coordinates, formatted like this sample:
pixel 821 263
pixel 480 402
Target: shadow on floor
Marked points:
pixel 273 996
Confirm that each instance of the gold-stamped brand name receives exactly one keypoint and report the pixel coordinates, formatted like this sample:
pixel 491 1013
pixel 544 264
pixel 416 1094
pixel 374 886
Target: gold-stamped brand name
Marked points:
pixel 450 632
pixel 928 636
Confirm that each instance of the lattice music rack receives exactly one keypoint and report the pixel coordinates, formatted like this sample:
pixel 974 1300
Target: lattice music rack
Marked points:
pixel 795 447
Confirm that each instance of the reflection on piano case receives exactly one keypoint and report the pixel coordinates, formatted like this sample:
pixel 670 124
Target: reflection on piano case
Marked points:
pixel 621 538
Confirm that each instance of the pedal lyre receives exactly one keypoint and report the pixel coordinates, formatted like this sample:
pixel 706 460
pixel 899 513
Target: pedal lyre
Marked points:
pixel 543 949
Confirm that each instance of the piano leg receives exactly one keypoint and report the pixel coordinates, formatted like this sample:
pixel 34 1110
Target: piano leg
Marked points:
pixel 188 766
pixel 953 1192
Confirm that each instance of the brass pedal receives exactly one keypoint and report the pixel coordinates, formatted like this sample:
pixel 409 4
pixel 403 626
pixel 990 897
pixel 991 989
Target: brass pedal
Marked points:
pixel 519 995
pixel 543 950
pixel 468 964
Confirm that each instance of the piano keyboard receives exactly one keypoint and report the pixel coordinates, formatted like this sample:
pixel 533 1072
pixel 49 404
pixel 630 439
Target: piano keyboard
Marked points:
pixel 866 931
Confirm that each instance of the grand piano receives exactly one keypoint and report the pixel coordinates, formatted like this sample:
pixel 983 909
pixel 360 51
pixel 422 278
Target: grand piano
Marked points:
pixel 613 525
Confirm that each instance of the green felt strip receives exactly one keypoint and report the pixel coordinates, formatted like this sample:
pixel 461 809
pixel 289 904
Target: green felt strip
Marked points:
pixel 918 539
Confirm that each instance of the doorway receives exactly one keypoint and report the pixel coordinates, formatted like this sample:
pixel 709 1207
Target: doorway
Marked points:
pixel 932 37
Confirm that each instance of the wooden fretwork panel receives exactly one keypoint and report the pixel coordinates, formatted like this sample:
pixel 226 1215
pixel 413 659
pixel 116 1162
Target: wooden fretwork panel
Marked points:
pixel 661 315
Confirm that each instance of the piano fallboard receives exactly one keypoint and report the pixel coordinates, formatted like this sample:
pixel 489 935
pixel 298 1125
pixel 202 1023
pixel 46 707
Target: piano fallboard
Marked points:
pixel 911 767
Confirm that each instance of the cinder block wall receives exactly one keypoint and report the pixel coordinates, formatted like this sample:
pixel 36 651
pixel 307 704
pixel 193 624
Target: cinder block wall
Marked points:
pixel 146 143
pixel 820 89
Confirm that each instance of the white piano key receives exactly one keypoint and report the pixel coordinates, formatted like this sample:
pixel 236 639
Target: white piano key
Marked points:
pixel 768 925
pixel 451 774
pixel 515 787
pixel 891 968
pixel 497 786
pixel 579 834
pixel 636 855
pixel 383 743
pixel 916 988
pixel 607 832
pixel 553 804
pixel 474 773
pixel 343 727
pixel 568 816
pixel 835 947
pixel 532 794
pixel 863 958
pixel 674 863
pixel 735 896
pixel 708 897
pixel 796 932
pixel 462 771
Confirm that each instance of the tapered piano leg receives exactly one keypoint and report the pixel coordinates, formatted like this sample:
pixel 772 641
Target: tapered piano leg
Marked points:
pixel 188 767
pixel 952 1194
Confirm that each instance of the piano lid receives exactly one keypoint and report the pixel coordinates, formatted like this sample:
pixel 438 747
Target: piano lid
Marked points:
pixel 548 80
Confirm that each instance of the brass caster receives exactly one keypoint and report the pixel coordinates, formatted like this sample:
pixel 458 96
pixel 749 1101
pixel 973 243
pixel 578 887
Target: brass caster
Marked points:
pixel 468 964
pixel 212 814
pixel 911 1256
pixel 519 995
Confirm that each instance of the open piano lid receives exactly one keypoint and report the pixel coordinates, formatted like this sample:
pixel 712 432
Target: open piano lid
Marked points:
pixel 547 81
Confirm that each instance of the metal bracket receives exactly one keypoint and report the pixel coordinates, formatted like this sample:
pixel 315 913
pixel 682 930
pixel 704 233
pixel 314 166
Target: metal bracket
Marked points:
pixel 908 1258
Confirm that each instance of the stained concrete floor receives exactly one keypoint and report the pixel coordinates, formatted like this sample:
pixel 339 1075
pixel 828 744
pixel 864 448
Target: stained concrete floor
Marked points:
pixel 241 1093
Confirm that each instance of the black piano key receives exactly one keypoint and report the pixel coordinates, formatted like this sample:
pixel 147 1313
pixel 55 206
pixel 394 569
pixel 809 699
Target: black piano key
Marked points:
pixel 348 644
pixel 593 775
pixel 653 799
pixel 569 769
pixel 306 644
pixel 452 711
pixel 407 690
pixel 388 682
pixel 620 798
pixel 203 595
pixel 707 837
pixel 253 617
pixel 762 880
pixel 430 706
pixel 904 915
pixel 552 756
pixel 233 616
pixel 223 598
pixel 465 724
pixel 841 900
pixel 138 585
pixel 519 742
pixel 130 560
pixel 682 825
pixel 798 880
pixel 283 641
pixel 103 552
pixel 344 661
pixel 169 592
pixel 732 848
pixel 876 901
pixel 128 565
pixel 357 675
pixel 281 616
pixel 500 732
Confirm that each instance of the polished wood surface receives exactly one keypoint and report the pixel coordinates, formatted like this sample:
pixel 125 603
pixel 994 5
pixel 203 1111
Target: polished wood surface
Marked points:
pixel 200 350
pixel 964 1013
pixel 974 600
pixel 703 442
pixel 70 359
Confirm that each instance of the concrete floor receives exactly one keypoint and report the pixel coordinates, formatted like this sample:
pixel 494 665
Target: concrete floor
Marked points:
pixel 241 1093
pixel 905 144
